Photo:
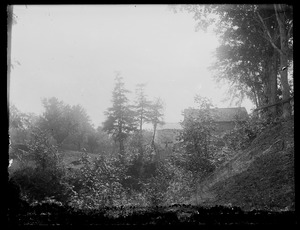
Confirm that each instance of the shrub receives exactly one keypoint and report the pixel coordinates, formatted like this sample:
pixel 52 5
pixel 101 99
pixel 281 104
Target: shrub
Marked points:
pixel 45 176
pixel 98 183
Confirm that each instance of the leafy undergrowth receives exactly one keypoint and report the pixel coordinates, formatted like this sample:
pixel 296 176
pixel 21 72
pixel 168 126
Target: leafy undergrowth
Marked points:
pixel 52 214
pixel 71 159
pixel 268 183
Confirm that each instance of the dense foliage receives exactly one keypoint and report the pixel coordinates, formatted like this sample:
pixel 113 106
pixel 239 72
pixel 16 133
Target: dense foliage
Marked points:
pixel 41 173
pixel 197 138
pixel 42 145
pixel 255 55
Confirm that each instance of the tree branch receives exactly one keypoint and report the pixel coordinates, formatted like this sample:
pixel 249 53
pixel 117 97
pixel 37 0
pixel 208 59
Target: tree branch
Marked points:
pixel 269 38
pixel 279 20
pixel 273 104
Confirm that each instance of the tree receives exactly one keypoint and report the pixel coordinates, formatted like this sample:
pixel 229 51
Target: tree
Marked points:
pixel 16 118
pixel 142 106
pixel 45 176
pixel 120 117
pixel 92 140
pixel 248 62
pixel 82 124
pixel 156 116
pixel 284 18
pixel 252 38
pixel 20 125
pixel 57 119
pixel 142 109
pixel 196 136
pixel 105 142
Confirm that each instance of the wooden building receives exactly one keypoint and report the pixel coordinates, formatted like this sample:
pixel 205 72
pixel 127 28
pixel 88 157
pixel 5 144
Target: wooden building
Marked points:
pixel 225 119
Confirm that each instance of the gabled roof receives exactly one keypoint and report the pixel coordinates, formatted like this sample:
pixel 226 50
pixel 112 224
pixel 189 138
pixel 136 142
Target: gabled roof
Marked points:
pixel 223 114
pixel 219 115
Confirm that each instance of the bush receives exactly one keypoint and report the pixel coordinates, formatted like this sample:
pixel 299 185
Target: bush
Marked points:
pixel 98 184
pixel 45 175
pixel 170 184
pixel 180 186
pixel 154 191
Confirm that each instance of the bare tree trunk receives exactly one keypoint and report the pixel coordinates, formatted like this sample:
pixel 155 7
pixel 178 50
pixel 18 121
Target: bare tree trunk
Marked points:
pixel 283 59
pixel 283 51
pixel 153 142
pixel 154 133
pixel 273 84
pixel 255 96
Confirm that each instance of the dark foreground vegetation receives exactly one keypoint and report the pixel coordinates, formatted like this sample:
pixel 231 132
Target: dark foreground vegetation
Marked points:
pixel 53 213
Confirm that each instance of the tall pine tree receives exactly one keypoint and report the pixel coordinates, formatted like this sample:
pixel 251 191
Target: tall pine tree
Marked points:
pixel 120 117
pixel 142 110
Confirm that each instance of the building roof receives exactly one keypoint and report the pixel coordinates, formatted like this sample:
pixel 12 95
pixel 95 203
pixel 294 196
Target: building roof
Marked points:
pixel 223 114
pixel 219 115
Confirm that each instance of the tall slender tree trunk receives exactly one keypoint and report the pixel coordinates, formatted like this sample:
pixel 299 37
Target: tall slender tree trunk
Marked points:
pixel 153 141
pixel 255 100
pixel 154 134
pixel 273 83
pixel 279 10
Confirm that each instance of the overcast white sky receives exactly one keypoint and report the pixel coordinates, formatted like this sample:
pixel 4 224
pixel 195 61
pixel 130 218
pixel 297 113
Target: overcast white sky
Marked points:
pixel 73 52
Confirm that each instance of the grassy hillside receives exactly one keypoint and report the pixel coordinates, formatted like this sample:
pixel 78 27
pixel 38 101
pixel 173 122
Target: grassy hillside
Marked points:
pixel 261 177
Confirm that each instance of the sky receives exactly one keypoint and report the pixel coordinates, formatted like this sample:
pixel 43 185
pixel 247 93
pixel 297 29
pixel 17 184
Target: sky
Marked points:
pixel 74 52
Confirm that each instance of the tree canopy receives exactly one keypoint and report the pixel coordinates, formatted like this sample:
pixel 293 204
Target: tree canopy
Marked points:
pixel 256 47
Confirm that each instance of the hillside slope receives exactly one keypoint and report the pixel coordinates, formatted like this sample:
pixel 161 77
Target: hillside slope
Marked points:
pixel 260 177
